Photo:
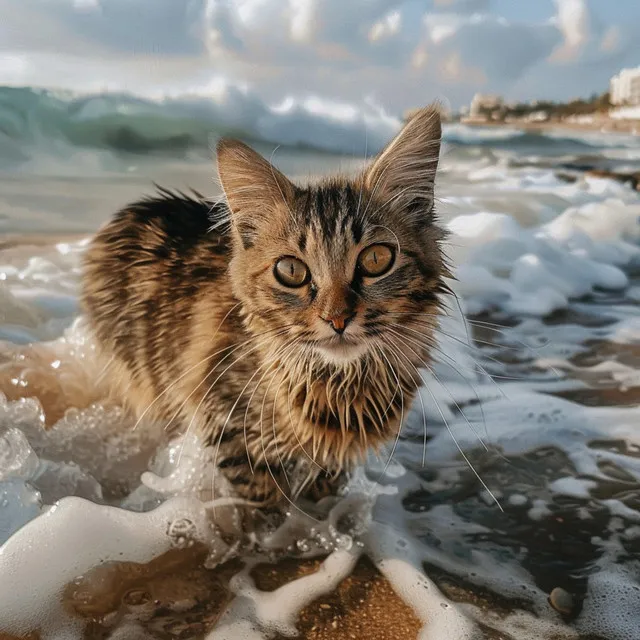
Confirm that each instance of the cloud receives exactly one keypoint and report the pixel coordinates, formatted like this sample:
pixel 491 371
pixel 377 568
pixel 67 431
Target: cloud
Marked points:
pixel 462 6
pixel 574 22
pixel 160 27
pixel 403 52
pixel 501 50
pixel 611 40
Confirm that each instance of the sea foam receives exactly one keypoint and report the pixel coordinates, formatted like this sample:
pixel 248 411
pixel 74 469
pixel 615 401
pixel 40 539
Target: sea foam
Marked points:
pixel 91 490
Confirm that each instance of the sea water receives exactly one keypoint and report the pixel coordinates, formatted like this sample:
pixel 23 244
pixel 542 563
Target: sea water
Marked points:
pixel 517 471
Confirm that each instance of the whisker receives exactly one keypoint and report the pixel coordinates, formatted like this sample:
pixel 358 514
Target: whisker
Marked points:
pixel 273 427
pixel 190 368
pixel 489 326
pixel 452 364
pixel 397 438
pixel 295 433
pixel 265 363
pixel 235 404
pixel 253 393
pixel 462 413
pixel 264 452
pixel 481 368
pixel 462 453
pixel 424 413
pixel 206 393
pixel 204 379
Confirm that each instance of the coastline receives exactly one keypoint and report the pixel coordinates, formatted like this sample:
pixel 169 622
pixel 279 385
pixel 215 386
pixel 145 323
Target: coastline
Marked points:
pixel 631 127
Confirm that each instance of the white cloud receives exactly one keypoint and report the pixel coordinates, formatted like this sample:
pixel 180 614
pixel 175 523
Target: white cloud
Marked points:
pixel 499 49
pixel 389 26
pixel 574 22
pixel 611 39
pixel 404 52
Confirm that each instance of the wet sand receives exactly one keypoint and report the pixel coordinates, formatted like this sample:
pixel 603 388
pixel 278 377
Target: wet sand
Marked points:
pixel 174 596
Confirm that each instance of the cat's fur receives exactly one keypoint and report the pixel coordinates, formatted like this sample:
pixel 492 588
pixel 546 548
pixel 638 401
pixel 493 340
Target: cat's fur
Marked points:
pixel 182 299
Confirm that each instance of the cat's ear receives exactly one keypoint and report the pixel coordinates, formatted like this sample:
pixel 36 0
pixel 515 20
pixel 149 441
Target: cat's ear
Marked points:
pixel 253 187
pixel 403 174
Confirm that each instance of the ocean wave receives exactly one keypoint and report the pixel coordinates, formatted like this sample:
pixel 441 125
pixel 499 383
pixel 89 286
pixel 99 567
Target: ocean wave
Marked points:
pixel 41 123
pixel 511 137
pixel 36 121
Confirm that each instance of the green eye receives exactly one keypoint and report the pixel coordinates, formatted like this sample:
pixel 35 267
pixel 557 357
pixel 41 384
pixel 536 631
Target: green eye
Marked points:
pixel 376 260
pixel 291 272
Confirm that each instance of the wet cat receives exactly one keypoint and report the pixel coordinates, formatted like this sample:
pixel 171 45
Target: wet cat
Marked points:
pixel 285 324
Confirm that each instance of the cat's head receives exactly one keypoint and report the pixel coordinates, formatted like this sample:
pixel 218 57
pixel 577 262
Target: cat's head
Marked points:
pixel 344 267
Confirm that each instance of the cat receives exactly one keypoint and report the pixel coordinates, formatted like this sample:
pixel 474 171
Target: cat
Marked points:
pixel 286 324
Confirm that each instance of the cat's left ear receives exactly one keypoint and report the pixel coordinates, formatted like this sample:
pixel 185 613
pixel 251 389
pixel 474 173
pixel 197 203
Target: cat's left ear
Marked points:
pixel 403 174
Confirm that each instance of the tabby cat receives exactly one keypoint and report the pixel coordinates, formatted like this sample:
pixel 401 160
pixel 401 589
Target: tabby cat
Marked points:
pixel 286 325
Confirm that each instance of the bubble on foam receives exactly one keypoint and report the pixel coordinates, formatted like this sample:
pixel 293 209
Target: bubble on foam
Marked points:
pixel 611 606
pixel 517 499
pixel 17 458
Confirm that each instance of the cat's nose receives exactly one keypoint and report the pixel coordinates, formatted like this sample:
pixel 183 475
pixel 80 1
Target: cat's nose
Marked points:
pixel 339 321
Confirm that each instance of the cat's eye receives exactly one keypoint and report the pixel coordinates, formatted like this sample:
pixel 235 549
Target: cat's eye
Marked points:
pixel 291 272
pixel 376 260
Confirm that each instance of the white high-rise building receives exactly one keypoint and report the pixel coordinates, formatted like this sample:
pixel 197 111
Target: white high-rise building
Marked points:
pixel 624 88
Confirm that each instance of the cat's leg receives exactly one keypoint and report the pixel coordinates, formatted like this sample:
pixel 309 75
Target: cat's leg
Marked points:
pixel 263 482
pixel 324 485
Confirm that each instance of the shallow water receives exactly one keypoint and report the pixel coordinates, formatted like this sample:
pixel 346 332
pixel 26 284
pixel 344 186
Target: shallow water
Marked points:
pixel 529 481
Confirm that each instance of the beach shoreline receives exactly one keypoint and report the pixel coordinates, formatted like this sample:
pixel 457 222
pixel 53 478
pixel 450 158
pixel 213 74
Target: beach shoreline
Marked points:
pixel 607 125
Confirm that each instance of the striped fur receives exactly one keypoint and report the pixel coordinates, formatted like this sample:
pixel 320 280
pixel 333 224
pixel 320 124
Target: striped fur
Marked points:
pixel 183 302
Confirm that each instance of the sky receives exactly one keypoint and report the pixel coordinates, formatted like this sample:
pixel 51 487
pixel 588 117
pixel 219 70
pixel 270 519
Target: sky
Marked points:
pixel 395 53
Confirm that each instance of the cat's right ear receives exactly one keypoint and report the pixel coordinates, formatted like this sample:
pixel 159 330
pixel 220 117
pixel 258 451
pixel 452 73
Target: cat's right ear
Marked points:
pixel 254 189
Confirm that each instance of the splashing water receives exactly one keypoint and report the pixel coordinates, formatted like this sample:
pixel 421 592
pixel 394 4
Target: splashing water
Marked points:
pixel 109 532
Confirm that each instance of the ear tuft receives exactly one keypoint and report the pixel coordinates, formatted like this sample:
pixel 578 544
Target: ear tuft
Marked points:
pixel 252 186
pixel 403 174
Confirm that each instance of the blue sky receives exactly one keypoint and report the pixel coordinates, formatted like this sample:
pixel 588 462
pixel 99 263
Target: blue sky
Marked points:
pixel 398 53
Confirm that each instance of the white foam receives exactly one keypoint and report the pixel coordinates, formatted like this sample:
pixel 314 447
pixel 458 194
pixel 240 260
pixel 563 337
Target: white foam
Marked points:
pixel 69 540
pixel 538 270
pixel 529 245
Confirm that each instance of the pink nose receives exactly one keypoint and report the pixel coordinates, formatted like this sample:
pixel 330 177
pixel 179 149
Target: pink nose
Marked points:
pixel 339 321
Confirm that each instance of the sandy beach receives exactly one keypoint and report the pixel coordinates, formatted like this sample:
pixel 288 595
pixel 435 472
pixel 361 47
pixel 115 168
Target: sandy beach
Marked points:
pixel 601 125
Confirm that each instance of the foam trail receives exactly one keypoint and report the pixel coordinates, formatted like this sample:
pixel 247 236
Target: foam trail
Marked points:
pixel 276 611
pixel 69 540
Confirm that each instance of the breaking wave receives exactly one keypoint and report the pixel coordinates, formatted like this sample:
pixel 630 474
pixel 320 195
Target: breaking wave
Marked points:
pixel 38 121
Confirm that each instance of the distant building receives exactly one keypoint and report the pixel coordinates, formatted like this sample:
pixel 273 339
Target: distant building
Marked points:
pixel 624 88
pixel 482 103
pixel 625 113
pixel 538 116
